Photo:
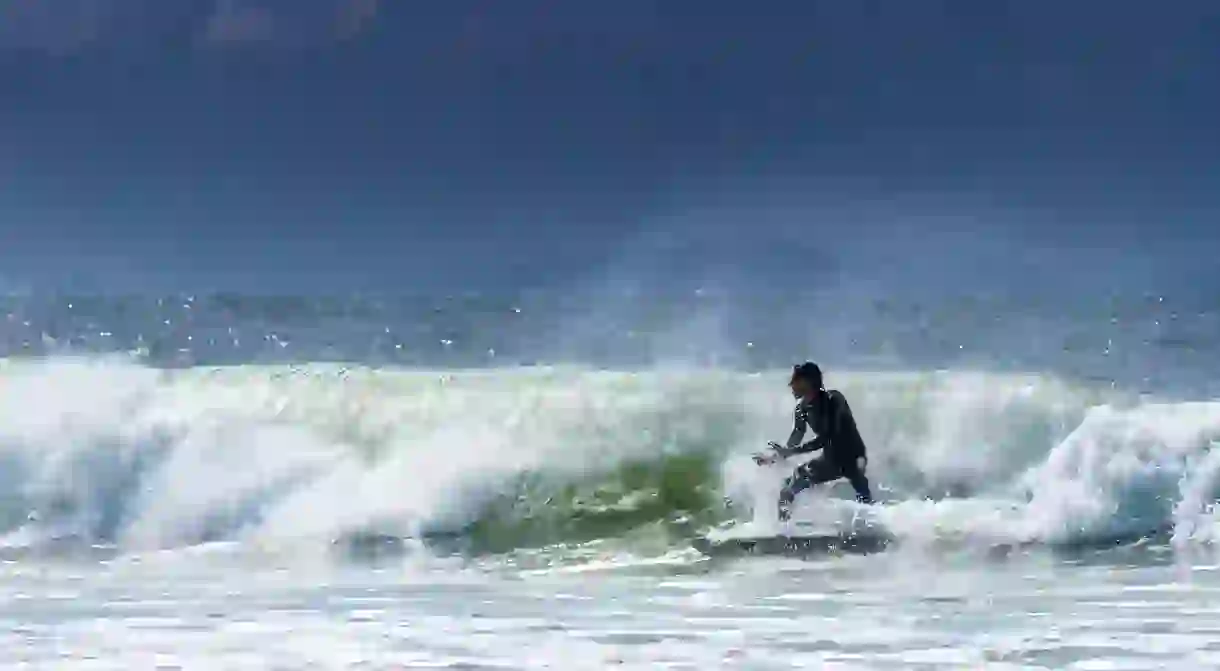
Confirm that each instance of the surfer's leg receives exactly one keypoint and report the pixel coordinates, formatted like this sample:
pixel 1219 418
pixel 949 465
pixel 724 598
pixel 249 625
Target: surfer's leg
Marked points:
pixel 814 472
pixel 795 484
pixel 854 472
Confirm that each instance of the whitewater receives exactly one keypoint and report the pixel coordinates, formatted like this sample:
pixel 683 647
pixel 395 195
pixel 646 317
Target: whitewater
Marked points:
pixel 333 516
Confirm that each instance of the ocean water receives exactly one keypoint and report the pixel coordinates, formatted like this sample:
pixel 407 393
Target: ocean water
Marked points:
pixel 234 482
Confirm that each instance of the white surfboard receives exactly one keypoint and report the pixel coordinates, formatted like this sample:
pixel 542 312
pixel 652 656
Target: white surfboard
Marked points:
pixel 795 539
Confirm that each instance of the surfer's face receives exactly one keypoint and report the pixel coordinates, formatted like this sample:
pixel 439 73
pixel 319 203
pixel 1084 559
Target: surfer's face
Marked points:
pixel 800 388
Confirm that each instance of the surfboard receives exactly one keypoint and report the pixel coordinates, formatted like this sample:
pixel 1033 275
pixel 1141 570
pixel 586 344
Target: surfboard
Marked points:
pixel 798 541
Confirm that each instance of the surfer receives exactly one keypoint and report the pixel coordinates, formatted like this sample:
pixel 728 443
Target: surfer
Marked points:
pixel 843 454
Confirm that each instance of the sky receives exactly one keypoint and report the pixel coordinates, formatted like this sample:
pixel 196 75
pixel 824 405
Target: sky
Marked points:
pixel 936 147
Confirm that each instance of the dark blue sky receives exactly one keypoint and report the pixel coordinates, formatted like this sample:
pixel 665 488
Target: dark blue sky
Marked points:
pixel 355 144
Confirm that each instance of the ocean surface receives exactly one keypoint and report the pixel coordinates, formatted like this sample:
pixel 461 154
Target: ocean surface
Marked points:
pixel 362 482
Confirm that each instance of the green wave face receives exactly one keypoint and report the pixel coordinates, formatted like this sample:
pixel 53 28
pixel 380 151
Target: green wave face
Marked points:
pixel 669 497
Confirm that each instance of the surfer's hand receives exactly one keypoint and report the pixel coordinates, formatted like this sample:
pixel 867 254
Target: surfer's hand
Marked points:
pixel 762 458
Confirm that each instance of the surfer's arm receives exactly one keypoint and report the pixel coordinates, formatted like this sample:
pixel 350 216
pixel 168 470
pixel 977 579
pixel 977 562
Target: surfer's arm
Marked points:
pixel 794 446
pixel 794 439
pixel 838 410
pixel 799 423
pixel 812 446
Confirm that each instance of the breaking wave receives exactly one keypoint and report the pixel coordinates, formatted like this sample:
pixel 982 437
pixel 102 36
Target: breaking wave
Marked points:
pixel 114 453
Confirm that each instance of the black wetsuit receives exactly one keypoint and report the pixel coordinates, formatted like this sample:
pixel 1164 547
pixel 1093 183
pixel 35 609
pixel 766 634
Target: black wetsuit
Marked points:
pixel 843 454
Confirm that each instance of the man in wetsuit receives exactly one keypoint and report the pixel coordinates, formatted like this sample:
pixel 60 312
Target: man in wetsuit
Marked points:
pixel 843 454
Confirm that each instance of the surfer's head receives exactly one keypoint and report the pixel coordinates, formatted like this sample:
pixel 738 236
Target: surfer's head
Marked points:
pixel 806 380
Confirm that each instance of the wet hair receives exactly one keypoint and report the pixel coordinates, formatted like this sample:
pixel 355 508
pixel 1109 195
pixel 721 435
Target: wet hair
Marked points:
pixel 808 372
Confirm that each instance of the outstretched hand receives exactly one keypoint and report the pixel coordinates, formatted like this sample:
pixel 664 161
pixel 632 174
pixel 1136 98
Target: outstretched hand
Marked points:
pixel 763 458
